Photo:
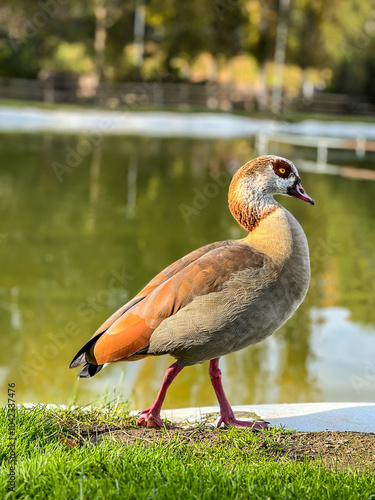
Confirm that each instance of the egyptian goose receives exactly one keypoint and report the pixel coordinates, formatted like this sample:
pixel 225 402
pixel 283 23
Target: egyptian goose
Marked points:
pixel 220 298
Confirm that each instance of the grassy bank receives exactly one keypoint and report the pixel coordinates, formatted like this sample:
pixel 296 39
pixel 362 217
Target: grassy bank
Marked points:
pixel 72 454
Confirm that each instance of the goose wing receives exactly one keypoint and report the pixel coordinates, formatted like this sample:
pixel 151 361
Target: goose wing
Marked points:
pixel 127 333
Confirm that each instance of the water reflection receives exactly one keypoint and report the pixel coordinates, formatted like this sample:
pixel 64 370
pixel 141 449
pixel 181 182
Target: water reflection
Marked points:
pixel 73 251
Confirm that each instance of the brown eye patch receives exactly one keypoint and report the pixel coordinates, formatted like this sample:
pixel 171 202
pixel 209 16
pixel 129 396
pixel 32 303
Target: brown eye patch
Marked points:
pixel 282 168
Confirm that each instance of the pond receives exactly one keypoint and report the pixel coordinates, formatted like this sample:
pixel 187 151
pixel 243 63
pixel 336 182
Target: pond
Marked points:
pixel 76 243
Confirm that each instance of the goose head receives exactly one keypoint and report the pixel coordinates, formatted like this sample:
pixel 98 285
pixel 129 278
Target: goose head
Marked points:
pixel 254 184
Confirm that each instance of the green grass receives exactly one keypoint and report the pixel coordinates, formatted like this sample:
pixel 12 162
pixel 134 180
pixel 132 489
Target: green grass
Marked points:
pixel 237 464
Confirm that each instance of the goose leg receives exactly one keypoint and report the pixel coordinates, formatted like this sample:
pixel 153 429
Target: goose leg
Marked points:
pixel 150 417
pixel 227 415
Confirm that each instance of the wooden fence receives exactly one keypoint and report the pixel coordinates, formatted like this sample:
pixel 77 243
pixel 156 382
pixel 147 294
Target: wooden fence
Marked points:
pixel 210 95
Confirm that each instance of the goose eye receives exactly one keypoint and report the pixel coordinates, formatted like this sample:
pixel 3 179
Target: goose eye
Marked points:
pixel 282 170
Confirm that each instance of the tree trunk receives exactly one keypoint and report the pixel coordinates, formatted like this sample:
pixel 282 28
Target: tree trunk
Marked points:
pixel 100 38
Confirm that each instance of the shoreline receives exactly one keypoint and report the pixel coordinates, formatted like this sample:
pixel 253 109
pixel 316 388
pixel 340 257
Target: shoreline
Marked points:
pixel 311 417
pixel 203 125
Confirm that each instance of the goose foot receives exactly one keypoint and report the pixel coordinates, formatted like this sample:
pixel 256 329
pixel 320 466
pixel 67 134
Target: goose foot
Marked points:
pixel 150 418
pixel 226 412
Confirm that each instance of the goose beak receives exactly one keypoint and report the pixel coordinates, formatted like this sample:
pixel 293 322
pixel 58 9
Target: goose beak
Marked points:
pixel 298 192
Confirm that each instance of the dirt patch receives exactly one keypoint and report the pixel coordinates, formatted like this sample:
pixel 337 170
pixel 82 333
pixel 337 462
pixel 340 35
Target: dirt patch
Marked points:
pixel 336 450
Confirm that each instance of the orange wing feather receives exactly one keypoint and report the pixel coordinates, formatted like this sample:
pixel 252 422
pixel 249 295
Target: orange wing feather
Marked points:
pixel 87 350
pixel 160 278
pixel 166 294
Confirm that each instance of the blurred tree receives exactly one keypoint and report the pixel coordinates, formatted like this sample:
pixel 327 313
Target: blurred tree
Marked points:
pixel 98 37
pixel 229 26
pixel 31 40
pixel 179 30
pixel 320 31
pixel 19 42
pixel 107 13
pixel 189 29
pixel 355 73
pixel 259 39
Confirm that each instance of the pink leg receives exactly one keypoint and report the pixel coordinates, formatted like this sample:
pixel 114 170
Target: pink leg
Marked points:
pixel 227 415
pixel 150 417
